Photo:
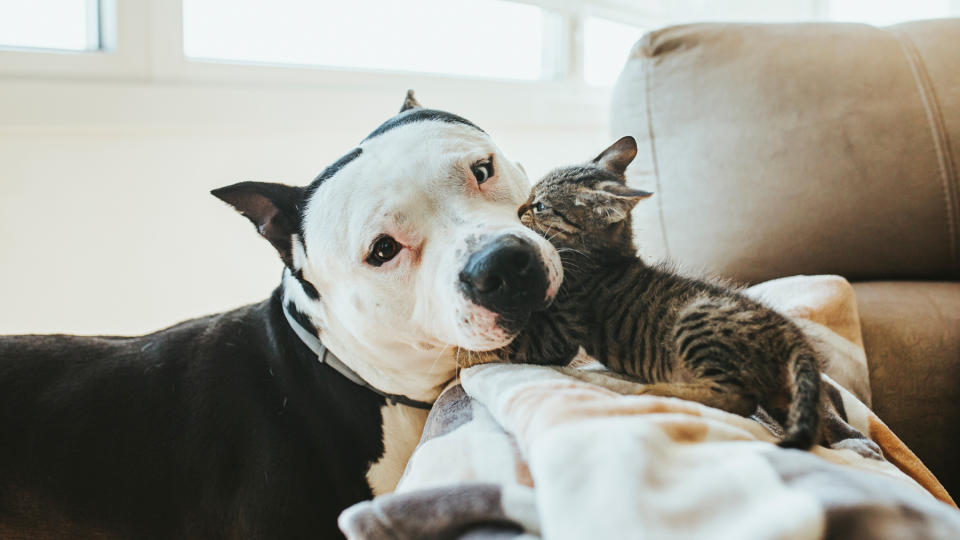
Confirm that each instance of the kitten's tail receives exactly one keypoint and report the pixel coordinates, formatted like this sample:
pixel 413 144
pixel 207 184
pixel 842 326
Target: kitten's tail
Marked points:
pixel 803 415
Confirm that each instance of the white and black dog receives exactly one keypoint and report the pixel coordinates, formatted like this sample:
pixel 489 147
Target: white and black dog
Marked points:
pixel 267 421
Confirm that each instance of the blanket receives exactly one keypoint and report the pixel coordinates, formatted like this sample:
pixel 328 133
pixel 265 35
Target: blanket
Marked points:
pixel 522 451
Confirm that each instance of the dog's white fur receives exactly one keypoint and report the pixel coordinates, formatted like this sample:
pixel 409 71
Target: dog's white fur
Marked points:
pixel 399 325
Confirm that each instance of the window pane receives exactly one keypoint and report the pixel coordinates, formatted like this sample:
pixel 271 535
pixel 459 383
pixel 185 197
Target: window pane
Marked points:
pixel 487 38
pixel 606 45
pixel 50 24
pixel 888 12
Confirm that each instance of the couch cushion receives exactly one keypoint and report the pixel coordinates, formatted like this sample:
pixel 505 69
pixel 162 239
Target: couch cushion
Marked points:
pixel 798 148
pixel 911 333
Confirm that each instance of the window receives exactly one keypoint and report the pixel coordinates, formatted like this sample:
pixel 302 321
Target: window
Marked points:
pixel 606 45
pixel 69 25
pixel 571 43
pixel 427 36
pixel 887 12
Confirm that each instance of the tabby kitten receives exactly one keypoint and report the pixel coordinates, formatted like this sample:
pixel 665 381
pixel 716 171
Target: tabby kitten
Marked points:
pixel 684 337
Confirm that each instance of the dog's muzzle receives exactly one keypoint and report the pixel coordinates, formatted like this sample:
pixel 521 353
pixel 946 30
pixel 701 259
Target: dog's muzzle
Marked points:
pixel 507 277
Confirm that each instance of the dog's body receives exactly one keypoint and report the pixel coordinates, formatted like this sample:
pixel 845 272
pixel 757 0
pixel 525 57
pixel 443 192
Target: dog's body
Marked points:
pixel 224 426
pixel 228 426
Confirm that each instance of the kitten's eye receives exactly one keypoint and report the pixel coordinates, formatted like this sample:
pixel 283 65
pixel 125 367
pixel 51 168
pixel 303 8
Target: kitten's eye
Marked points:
pixel 482 170
pixel 384 248
pixel 538 207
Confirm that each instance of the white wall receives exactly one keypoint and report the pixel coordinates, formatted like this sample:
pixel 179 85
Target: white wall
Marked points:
pixel 106 224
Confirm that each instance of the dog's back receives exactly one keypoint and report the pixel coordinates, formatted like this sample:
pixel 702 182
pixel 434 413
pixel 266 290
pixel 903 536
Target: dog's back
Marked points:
pixel 194 431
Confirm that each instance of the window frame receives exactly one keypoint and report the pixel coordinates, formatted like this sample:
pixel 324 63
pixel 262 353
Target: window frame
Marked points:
pixel 142 40
pixel 121 54
pixel 141 70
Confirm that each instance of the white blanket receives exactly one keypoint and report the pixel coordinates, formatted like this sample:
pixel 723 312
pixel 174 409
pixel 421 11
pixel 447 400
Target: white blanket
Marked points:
pixel 521 451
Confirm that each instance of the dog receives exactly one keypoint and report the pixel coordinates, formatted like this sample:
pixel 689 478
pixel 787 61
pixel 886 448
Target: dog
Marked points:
pixel 268 420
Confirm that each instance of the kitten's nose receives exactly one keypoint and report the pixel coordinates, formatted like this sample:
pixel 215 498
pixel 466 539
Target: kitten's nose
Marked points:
pixel 505 276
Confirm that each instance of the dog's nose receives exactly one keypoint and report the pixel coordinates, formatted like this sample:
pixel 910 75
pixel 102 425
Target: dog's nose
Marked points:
pixel 505 276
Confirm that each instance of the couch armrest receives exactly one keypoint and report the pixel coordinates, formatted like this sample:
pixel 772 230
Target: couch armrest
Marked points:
pixel 783 149
pixel 911 332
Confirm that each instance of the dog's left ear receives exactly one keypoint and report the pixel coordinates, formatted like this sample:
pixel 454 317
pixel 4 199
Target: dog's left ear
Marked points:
pixel 273 208
pixel 616 158
pixel 410 102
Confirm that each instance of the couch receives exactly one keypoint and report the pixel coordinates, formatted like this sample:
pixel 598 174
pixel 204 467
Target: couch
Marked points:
pixel 783 149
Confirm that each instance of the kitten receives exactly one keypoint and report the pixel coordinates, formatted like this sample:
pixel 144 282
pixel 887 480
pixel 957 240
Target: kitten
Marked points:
pixel 684 337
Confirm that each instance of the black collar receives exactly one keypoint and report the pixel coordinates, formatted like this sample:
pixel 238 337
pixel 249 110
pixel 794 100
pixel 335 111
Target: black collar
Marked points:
pixel 324 356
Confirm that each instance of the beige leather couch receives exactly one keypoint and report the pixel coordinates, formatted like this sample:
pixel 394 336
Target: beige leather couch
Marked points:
pixel 776 150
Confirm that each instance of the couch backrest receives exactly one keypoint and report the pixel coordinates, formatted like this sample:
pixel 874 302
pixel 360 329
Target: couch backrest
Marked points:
pixel 798 148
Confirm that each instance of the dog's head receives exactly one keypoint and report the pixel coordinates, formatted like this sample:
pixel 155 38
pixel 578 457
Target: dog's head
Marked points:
pixel 410 240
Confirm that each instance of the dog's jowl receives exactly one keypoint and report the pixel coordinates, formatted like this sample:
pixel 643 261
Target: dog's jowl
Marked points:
pixel 267 421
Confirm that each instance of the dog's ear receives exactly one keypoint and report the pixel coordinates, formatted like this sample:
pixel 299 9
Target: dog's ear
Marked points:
pixel 273 208
pixel 410 102
pixel 616 158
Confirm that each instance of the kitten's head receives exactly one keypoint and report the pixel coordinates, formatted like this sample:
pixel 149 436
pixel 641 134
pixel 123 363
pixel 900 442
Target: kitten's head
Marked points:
pixel 587 207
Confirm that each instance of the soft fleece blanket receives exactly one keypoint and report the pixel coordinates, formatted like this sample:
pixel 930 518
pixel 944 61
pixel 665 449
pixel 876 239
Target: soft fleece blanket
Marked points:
pixel 520 451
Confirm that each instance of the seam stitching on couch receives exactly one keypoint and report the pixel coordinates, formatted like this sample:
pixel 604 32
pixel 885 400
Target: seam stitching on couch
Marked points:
pixel 941 138
pixel 647 68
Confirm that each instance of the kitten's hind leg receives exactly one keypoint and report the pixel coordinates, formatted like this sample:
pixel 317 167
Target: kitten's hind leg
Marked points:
pixel 706 393
pixel 611 380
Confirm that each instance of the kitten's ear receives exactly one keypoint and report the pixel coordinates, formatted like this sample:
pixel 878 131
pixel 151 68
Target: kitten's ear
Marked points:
pixel 273 208
pixel 616 158
pixel 611 201
pixel 623 191
pixel 410 102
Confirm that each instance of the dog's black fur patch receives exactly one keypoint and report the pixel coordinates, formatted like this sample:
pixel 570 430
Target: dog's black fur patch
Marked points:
pixel 419 114
pixel 225 426
pixel 407 116
pixel 308 287
pixel 301 318
pixel 333 169
pixel 320 179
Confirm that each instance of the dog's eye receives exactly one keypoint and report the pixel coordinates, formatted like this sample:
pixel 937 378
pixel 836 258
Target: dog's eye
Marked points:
pixel 538 207
pixel 482 171
pixel 384 248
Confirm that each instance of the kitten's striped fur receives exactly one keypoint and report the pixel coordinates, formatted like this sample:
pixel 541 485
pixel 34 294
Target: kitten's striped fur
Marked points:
pixel 687 338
